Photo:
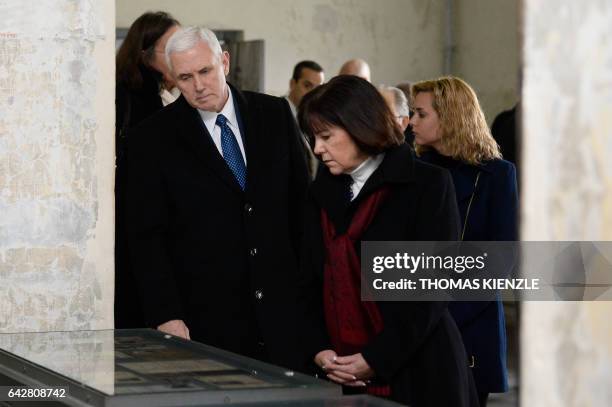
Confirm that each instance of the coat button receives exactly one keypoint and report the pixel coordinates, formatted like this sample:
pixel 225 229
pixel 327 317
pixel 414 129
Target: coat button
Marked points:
pixel 259 294
pixel 248 208
pixel 253 252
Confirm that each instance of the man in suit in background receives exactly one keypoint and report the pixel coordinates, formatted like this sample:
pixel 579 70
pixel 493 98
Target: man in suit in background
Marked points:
pixel 307 75
pixel 216 187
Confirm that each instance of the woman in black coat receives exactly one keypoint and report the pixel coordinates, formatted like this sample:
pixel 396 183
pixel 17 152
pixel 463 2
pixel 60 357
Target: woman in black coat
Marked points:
pixel 143 88
pixel 451 132
pixel 372 189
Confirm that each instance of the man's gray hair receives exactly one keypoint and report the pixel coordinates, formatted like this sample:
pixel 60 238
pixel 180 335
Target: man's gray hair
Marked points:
pixel 399 99
pixel 186 38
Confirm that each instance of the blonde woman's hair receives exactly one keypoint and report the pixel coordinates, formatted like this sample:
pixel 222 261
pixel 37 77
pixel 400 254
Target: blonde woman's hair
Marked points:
pixel 464 134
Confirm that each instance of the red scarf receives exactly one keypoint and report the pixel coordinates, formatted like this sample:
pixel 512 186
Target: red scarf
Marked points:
pixel 351 323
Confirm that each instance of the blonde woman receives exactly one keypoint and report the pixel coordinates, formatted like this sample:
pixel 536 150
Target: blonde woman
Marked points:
pixel 450 131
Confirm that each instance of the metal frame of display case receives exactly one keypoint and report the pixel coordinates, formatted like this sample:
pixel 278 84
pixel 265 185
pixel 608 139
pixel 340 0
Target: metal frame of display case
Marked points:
pixel 291 386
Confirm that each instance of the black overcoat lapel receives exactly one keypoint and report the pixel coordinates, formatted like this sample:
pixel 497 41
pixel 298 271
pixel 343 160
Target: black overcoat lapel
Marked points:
pixel 197 138
pixel 328 190
pixel 250 123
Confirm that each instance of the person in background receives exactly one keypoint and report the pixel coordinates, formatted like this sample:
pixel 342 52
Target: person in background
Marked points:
pixel 143 87
pixel 503 130
pixel 356 67
pixel 406 88
pixel 307 75
pixel 371 188
pixel 508 137
pixel 144 83
pixel 451 132
pixel 397 102
pixel 217 188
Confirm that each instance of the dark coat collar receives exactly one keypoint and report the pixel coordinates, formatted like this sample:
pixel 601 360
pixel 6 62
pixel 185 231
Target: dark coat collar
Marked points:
pixel 450 163
pixel 464 175
pixel 396 168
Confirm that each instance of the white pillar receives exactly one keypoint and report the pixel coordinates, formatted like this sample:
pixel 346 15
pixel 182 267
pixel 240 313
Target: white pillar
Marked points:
pixel 566 347
pixel 56 164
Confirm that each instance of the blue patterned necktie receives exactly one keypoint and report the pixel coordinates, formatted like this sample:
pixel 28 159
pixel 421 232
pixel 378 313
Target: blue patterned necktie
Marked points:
pixel 231 151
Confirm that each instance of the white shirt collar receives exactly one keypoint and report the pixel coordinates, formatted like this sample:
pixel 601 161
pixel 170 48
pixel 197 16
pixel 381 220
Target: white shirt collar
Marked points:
pixel 361 174
pixel 292 106
pixel 169 96
pixel 210 118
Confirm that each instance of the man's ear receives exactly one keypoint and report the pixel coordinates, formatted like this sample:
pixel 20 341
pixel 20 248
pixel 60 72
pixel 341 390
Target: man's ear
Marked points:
pixel 405 122
pixel 292 84
pixel 225 60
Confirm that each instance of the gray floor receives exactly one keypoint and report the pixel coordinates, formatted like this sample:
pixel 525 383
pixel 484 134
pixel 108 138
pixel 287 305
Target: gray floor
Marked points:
pixel 509 399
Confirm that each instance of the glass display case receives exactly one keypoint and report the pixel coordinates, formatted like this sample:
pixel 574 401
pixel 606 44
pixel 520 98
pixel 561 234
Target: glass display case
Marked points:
pixel 145 367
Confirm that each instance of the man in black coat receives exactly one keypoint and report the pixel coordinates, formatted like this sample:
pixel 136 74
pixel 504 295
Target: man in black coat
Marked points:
pixel 216 187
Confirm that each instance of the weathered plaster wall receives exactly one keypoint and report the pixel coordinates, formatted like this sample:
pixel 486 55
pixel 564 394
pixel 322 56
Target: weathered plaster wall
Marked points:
pixel 568 120
pixel 401 39
pixel 56 164
pixel 486 51
pixel 567 186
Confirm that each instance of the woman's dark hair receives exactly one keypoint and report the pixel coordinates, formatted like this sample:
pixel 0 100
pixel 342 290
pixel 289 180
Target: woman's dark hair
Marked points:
pixel 355 105
pixel 139 45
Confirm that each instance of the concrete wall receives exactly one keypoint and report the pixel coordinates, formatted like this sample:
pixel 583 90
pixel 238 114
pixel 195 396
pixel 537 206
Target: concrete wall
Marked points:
pixel 486 52
pixel 401 39
pixel 567 190
pixel 56 165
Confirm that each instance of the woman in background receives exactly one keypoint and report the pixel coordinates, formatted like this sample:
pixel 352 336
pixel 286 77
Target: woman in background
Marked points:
pixel 451 132
pixel 144 83
pixel 144 86
pixel 373 189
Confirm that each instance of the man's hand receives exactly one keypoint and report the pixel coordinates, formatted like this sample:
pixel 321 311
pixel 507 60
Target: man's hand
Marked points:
pixel 350 370
pixel 175 327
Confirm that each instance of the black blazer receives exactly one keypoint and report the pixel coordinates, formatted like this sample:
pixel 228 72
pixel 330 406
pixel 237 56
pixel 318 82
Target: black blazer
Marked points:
pixel 419 352
pixel 204 251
